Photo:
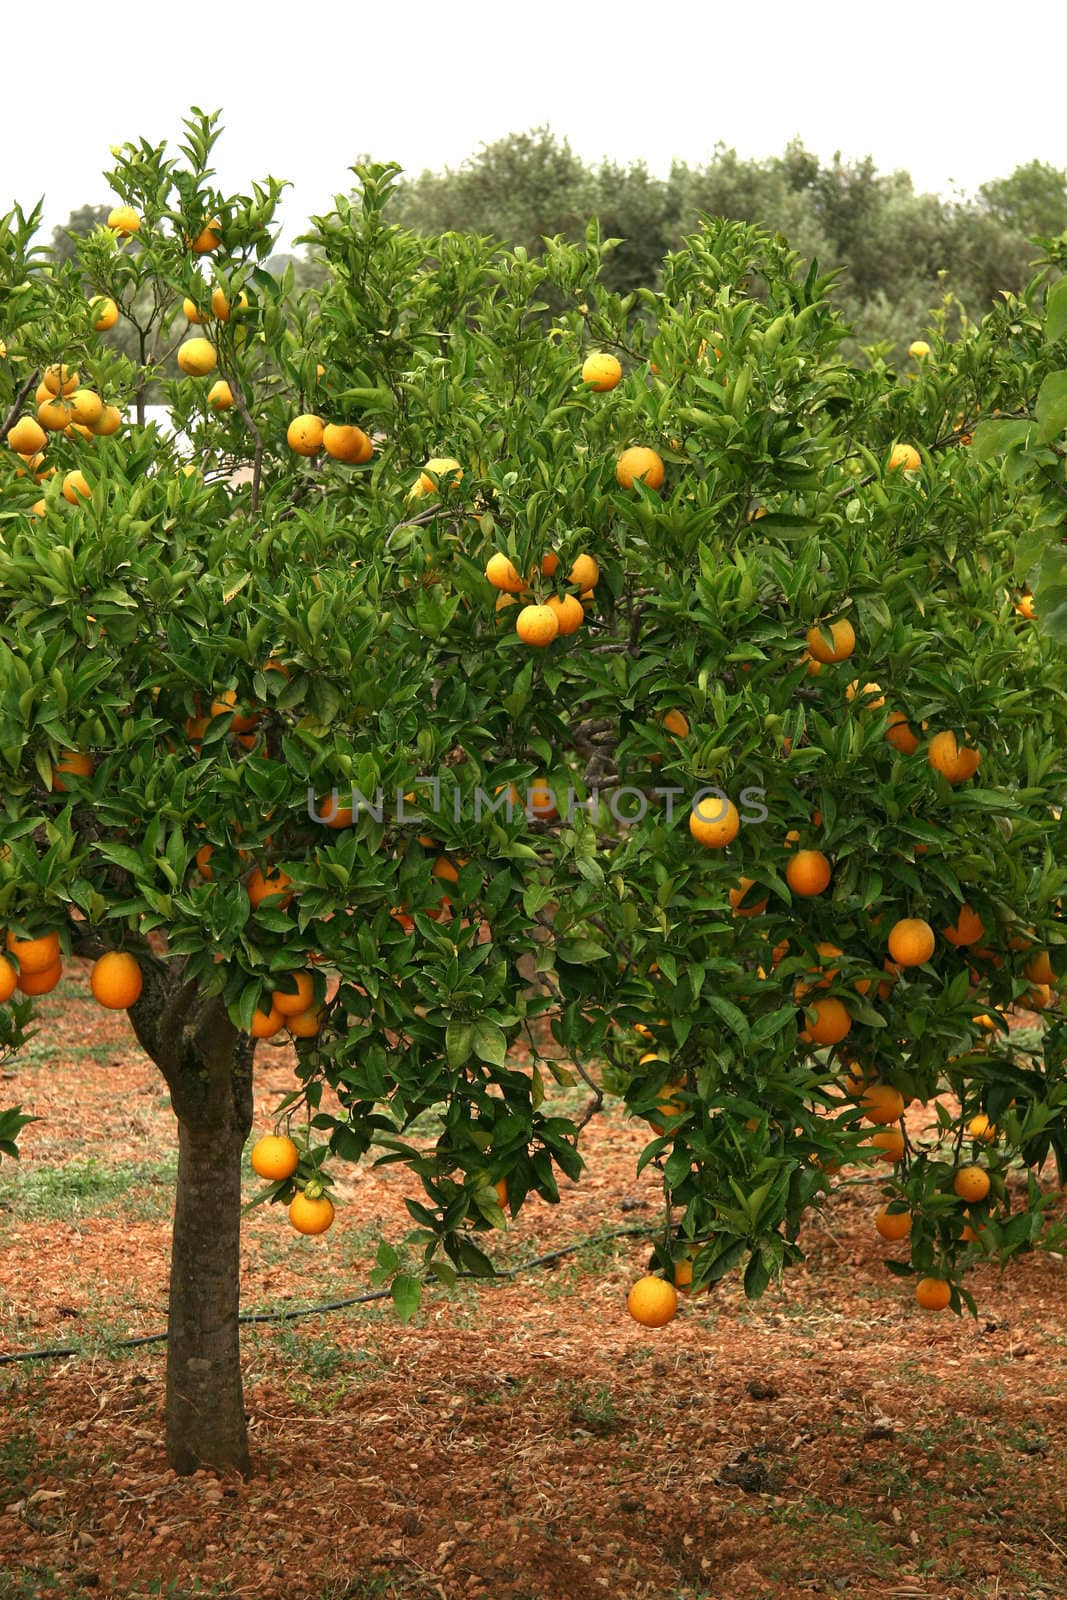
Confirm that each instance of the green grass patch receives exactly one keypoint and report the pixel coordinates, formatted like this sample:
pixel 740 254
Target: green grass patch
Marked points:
pixel 140 1191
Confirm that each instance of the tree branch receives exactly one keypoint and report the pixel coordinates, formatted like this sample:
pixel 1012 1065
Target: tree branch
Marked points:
pixel 16 407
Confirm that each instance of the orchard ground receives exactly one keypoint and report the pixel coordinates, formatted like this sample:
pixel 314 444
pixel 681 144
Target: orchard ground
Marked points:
pixel 521 1439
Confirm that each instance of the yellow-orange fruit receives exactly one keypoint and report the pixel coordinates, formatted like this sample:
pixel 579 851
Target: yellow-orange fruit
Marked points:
pixel 116 980
pixel 274 1157
pixel 955 762
pixel 652 1301
pixel 840 646
pixel 569 612
pixel 601 372
pixel 311 1215
pixel 123 220
pixel 911 942
pixel 639 462
pixel 808 872
pixel 537 625
pixel 714 821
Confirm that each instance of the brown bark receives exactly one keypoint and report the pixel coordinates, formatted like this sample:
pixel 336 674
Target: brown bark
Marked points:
pixel 207 1065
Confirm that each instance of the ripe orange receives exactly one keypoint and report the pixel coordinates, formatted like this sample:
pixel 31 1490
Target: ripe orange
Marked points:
pixel 346 443
pixel 197 357
pixel 220 396
pixel 537 626
pixel 826 953
pixel 76 763
pixel 116 980
pixel 503 574
pixel 808 872
pixel 968 927
pixel 86 407
pixel 35 955
pixel 955 762
pixel 1039 969
pixel 192 313
pixel 549 564
pixel 27 437
pixel 305 1024
pixel 445 469
pixel 714 821
pixel 639 462
pixel 8 979
pixel 889 1144
pixel 110 422
pixel 265 1024
pixel 882 1103
pixel 310 1215
pixel 59 379
pixel 742 906
pixel 55 414
pixel 569 612
pixel 1038 998
pixel 123 220
pixel 1026 607
pixel 41 982
pixel 971 1184
pixel 831 1023
pixel 601 372
pixel 911 942
pixel 208 239
pixel 584 573
pixel 107 312
pixel 893 1224
pixel 304 434
pixel 676 722
pixel 906 456
pixel 652 1301
pixel 289 1002
pixel 933 1294
pixel 843 641
pixel 260 887
pixel 225 704
pixel 869 695
pixel 901 735
pixel 75 487
pixel 683 1276
pixel 274 1157
pixel 980 1127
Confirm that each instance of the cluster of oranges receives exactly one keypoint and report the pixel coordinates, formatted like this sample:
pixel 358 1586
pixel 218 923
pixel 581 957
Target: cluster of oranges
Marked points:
pixel 116 978
pixel 65 406
pixel 308 435
pixel 539 622
pixel 276 1158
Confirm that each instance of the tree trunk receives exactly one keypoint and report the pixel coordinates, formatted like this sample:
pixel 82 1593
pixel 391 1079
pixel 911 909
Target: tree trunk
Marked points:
pixel 205 1402
pixel 207 1065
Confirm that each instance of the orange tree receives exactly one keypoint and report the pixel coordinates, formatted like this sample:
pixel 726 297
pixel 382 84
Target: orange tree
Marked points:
pixel 632 681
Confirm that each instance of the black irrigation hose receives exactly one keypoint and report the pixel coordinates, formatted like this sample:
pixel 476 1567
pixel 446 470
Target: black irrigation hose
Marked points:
pixel 56 1352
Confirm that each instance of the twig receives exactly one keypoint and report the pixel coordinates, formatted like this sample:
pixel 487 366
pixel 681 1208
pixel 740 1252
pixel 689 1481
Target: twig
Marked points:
pixel 246 417
pixel 16 407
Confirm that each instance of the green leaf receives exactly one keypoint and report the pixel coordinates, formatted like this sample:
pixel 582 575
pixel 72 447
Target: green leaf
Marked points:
pixel 459 1042
pixel 733 1018
pixel 997 438
pixel 407 1293
pixel 1051 409
pixel 576 952
pixel 1056 311
pixel 490 1043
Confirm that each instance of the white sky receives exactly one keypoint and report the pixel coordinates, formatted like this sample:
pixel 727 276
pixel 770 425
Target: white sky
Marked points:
pixel 306 90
